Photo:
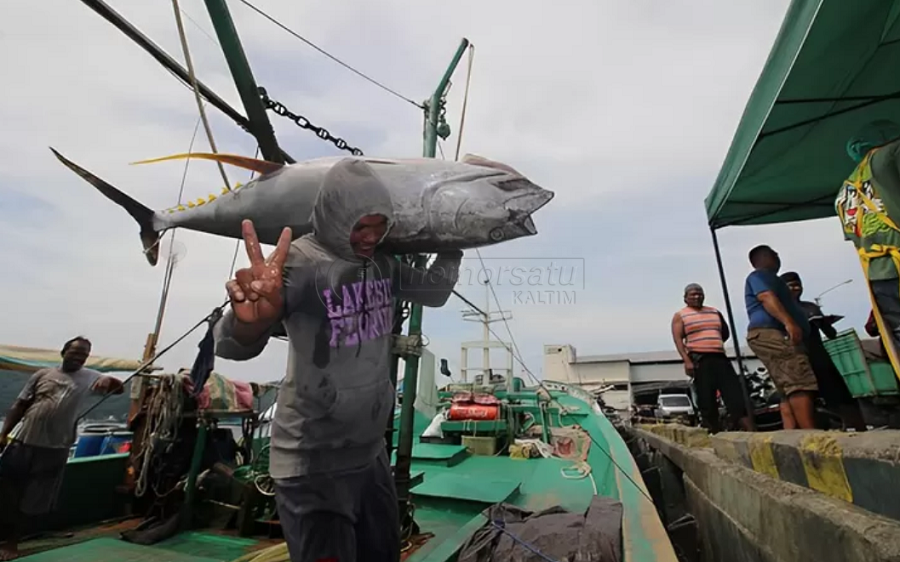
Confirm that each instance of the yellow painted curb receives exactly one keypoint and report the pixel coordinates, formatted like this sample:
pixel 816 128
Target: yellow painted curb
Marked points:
pixel 726 449
pixel 822 460
pixel 761 456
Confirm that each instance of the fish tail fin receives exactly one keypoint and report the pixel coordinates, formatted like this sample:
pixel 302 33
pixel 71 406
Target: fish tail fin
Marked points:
pixel 261 167
pixel 140 213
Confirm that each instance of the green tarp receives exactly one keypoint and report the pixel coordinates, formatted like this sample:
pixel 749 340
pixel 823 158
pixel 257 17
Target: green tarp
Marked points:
pixel 788 158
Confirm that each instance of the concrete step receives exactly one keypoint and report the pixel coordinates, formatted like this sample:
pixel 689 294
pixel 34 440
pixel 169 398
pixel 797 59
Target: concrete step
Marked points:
pixel 859 468
pixel 751 513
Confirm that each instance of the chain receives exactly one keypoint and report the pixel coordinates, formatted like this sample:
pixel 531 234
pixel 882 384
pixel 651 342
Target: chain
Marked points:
pixel 304 123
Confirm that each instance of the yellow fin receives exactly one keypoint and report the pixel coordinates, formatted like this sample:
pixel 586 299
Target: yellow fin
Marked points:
pixel 259 166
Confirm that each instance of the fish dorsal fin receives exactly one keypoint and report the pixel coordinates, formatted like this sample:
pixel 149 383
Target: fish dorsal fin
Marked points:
pixel 259 166
pixel 475 160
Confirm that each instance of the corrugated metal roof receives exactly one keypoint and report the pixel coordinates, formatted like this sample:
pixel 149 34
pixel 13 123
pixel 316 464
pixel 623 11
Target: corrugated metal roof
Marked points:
pixel 649 357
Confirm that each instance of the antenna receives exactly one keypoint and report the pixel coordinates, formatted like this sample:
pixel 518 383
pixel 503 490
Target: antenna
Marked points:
pixel 819 298
pixel 486 318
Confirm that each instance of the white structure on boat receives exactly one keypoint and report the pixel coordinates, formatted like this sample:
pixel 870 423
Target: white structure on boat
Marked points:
pixel 627 374
pixel 486 317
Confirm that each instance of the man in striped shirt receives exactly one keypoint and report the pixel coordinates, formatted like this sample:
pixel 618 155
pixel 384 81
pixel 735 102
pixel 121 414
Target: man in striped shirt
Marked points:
pixel 700 333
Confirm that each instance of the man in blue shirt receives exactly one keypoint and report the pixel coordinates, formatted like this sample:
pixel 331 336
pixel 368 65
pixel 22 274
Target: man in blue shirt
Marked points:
pixel 777 329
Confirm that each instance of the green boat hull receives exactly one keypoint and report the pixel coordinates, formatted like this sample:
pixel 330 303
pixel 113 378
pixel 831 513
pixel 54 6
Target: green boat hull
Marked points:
pixel 451 488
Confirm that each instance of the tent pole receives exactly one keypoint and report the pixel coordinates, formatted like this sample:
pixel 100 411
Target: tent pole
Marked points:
pixel 734 337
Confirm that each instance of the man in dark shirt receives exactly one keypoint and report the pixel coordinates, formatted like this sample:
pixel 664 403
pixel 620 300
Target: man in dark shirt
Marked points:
pixel 776 334
pixel 832 387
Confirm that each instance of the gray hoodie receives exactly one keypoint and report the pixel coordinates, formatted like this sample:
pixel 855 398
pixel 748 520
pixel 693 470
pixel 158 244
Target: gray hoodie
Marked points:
pixel 336 399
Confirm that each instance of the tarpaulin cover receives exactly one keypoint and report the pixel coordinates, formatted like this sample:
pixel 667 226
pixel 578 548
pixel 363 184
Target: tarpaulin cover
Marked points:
pixel 30 359
pixel 513 534
pixel 832 69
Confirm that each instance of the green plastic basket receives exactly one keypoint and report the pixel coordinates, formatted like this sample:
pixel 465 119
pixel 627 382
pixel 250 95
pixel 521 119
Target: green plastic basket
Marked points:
pixel 864 378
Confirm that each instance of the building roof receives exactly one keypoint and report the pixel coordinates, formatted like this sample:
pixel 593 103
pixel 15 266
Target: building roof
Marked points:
pixel 650 357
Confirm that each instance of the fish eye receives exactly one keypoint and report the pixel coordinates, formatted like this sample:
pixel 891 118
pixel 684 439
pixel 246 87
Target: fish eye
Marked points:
pixel 497 235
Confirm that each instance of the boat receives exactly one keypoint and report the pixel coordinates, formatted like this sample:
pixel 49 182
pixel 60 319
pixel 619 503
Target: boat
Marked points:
pixel 495 443
pixel 549 446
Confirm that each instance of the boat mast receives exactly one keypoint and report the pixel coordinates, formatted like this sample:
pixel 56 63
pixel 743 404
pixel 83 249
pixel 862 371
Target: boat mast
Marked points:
pixel 411 372
pixel 170 64
pixel 260 127
pixel 487 317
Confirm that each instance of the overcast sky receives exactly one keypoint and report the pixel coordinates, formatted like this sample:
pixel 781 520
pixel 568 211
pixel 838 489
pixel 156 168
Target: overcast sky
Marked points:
pixel 625 109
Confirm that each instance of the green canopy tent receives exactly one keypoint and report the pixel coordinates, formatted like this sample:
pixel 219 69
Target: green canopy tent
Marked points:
pixel 833 67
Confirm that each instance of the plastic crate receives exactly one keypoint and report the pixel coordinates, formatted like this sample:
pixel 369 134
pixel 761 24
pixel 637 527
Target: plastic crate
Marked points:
pixel 863 378
pixel 481 446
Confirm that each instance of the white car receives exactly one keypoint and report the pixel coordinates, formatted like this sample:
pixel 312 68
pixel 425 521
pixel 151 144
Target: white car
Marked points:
pixel 673 406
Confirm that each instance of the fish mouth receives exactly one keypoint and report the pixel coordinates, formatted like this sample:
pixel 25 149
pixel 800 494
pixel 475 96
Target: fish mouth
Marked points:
pixel 522 207
pixel 530 202
pixel 528 225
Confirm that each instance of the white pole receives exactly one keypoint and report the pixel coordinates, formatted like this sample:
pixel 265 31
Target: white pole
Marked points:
pixel 486 353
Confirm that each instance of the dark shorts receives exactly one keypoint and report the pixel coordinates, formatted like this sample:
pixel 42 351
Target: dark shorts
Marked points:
pixel 832 387
pixel 788 365
pixel 714 372
pixel 30 478
pixel 350 516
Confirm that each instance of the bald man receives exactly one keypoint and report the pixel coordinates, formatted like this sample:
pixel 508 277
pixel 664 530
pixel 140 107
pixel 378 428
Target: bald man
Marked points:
pixel 700 333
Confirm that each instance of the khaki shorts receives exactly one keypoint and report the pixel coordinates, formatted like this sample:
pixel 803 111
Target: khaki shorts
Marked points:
pixel 788 365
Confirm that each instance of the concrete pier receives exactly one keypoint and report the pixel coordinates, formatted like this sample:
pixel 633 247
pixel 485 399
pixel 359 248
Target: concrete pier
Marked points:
pixel 787 496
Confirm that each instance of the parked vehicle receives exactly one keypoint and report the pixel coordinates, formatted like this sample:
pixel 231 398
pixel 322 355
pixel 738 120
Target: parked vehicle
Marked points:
pixel 671 406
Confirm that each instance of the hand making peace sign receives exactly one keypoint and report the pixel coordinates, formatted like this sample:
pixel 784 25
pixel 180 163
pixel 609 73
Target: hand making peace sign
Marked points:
pixel 255 292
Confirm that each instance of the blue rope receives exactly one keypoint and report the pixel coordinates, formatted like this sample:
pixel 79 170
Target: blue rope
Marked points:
pixel 523 543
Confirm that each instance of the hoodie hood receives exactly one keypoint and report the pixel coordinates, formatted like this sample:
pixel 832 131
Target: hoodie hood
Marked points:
pixel 350 190
pixel 871 135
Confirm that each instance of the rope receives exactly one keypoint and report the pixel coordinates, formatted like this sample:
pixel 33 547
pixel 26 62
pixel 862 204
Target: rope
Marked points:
pixel 462 118
pixel 329 55
pixel 190 66
pixel 199 27
pixel 163 418
pixel 237 244
pixel 583 469
pixel 170 262
pixel 216 311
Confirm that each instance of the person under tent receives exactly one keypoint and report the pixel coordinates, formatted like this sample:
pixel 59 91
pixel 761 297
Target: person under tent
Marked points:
pixel 776 333
pixel 700 333
pixel 868 207
pixel 832 387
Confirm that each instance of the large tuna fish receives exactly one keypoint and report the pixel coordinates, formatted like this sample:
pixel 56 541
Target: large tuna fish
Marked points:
pixel 438 205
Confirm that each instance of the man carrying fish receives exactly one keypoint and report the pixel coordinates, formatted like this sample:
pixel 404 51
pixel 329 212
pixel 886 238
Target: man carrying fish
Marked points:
pixel 332 291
